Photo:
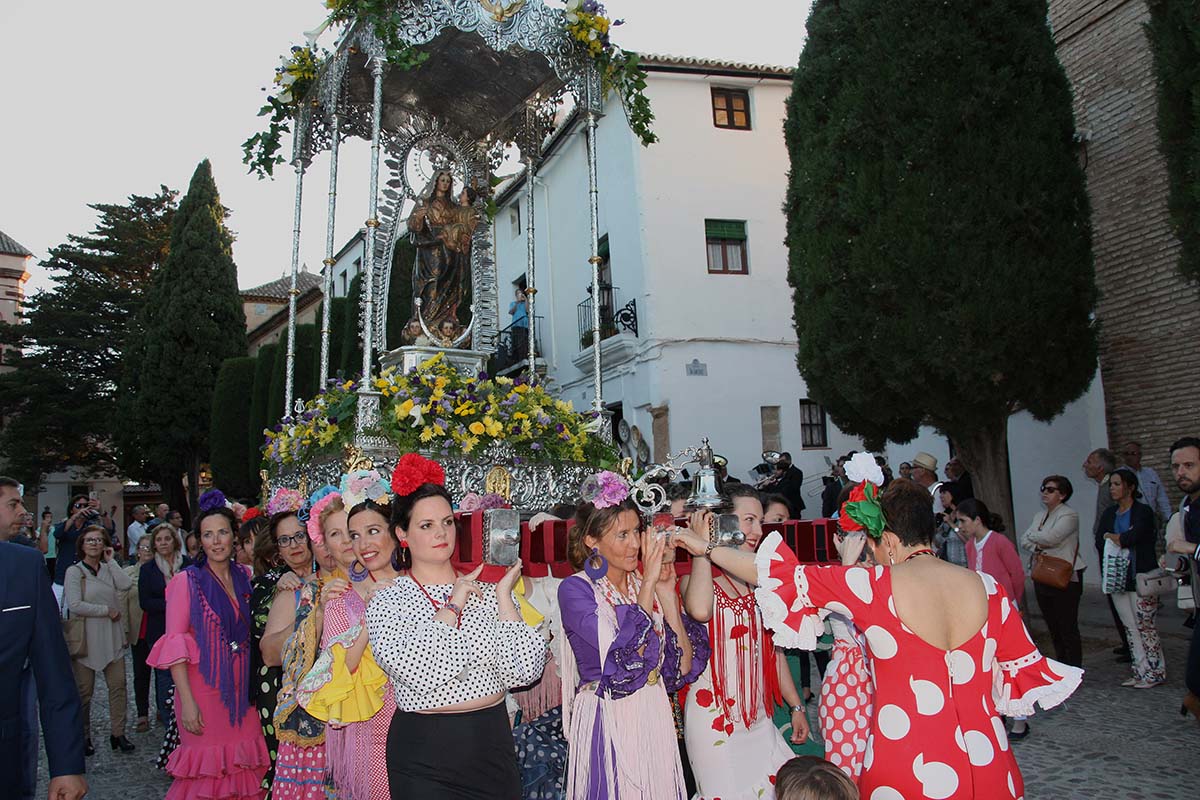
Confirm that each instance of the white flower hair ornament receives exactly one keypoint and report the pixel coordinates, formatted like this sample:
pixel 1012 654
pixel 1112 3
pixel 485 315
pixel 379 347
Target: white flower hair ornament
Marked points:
pixel 862 467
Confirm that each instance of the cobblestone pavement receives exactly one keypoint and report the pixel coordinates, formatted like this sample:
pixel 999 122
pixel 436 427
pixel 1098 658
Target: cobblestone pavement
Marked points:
pixel 1106 743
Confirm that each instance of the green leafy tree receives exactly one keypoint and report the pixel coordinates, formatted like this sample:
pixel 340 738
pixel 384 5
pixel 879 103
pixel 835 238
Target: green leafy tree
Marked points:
pixel 938 225
pixel 60 400
pixel 1174 32
pixel 275 408
pixel 229 433
pixel 400 292
pixel 264 366
pixel 308 356
pixel 196 323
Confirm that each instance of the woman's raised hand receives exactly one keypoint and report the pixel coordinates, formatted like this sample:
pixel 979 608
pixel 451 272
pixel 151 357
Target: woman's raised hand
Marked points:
pixel 334 589
pixel 288 582
pixel 505 586
pixel 696 536
pixel 653 547
pixel 465 587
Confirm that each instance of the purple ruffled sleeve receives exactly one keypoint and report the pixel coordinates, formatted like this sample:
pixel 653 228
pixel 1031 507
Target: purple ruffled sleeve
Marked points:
pixel 633 654
pixel 697 634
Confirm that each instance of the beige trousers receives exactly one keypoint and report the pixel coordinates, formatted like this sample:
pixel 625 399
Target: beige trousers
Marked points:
pixel 114 677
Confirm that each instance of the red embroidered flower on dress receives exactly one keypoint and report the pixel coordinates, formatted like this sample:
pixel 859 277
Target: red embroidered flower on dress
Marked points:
pixel 414 471
pixel 704 698
pixel 719 723
pixel 738 631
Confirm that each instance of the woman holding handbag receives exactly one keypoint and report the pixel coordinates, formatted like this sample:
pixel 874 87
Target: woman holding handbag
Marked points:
pixel 1056 567
pixel 92 591
pixel 1132 526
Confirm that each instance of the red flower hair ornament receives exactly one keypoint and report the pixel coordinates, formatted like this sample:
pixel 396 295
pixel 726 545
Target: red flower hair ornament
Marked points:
pixel 251 513
pixel 414 471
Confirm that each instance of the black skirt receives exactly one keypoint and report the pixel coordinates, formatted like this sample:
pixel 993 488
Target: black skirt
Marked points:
pixel 463 756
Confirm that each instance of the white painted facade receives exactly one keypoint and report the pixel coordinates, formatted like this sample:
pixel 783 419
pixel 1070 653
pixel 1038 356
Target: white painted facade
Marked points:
pixel 653 206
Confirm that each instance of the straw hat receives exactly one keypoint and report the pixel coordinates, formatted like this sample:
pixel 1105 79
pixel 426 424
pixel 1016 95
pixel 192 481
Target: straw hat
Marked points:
pixel 925 461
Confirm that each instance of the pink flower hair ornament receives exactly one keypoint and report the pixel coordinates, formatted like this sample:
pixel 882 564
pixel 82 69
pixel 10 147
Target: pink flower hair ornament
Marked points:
pixel 318 502
pixel 285 501
pixel 604 489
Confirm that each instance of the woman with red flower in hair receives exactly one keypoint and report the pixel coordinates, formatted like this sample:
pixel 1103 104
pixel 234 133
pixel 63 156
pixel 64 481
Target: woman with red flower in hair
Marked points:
pixel 453 646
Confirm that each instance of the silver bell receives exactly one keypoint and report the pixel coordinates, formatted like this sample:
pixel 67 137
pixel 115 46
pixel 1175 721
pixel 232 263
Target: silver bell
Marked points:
pixel 706 483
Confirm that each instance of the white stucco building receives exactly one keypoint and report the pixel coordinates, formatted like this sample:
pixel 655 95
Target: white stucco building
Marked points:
pixel 698 319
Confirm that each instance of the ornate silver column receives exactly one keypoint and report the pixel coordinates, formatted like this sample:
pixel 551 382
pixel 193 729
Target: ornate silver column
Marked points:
pixel 593 101
pixel 327 287
pixel 368 398
pixel 531 259
pixel 300 163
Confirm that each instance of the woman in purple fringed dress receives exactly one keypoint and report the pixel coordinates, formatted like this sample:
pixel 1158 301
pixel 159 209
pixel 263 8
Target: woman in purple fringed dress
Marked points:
pixel 629 645
pixel 207 648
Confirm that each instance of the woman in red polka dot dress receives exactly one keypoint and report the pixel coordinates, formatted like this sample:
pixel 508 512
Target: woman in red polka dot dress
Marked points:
pixel 948 653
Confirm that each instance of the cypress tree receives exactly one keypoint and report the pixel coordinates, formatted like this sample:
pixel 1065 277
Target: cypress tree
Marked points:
pixel 337 333
pixel 350 359
pixel 264 365
pixel 275 408
pixel 938 225
pixel 400 291
pixel 229 432
pixel 197 322
pixel 1174 32
pixel 308 358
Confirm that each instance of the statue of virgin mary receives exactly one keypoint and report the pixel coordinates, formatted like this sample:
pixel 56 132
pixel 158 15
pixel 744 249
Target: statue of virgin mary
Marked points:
pixel 441 227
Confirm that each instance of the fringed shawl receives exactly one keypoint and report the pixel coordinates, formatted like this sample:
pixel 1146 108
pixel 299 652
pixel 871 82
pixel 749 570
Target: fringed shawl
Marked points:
pixel 223 635
pixel 292 723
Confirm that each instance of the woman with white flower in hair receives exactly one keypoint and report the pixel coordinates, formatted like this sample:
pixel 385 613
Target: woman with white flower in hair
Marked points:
pixel 627 644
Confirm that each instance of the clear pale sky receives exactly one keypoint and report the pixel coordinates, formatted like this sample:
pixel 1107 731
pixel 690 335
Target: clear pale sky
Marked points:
pixel 102 100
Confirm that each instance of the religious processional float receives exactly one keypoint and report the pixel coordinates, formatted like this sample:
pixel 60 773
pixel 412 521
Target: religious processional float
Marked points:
pixel 444 90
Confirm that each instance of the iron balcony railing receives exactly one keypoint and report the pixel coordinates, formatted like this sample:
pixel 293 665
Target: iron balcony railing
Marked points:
pixel 612 319
pixel 513 348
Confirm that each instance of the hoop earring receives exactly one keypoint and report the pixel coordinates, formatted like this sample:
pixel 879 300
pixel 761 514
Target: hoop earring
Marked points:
pixel 596 565
pixel 360 574
pixel 397 559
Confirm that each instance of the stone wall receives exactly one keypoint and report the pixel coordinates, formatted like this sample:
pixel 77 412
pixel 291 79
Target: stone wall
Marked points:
pixel 1149 315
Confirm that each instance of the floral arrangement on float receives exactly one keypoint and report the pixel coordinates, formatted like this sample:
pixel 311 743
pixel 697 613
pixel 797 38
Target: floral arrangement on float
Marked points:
pixel 436 409
pixel 588 24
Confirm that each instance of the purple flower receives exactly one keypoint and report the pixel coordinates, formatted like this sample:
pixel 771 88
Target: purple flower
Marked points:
pixel 535 446
pixel 560 428
pixel 278 428
pixel 483 376
pixel 441 423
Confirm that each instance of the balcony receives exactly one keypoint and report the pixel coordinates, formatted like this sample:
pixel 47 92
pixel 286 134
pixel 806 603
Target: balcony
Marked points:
pixel 512 350
pixel 613 320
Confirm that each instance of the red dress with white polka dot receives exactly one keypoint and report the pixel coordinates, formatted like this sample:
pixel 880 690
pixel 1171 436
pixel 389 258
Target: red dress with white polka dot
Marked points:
pixel 937 731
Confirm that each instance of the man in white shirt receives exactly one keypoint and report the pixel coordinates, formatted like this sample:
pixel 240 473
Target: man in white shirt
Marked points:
pixel 137 528
pixel 1154 494
pixel 924 472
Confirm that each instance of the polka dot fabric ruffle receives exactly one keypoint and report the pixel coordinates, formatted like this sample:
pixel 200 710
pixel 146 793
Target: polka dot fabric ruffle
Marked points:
pixel 936 732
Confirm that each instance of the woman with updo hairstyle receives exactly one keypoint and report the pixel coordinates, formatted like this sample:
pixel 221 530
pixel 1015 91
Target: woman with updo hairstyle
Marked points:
pixel 453 646
pixel 988 549
pixel 948 649
pixel 207 648
pixel 627 645
pixel 346 687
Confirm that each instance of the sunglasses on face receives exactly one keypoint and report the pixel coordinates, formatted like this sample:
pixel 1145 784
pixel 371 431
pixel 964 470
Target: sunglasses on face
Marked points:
pixel 288 541
pixel 1046 489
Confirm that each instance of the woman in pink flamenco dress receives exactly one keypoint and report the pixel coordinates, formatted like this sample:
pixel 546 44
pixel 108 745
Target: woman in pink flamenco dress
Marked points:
pixel 206 646
pixel 948 652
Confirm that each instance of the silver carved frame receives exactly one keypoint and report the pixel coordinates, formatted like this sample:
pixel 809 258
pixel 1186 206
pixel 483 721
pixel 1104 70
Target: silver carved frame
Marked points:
pixel 332 112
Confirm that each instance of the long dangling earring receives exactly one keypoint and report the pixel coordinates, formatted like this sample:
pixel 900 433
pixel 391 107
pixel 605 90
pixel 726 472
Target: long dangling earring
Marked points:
pixel 397 564
pixel 891 558
pixel 596 565
pixel 358 573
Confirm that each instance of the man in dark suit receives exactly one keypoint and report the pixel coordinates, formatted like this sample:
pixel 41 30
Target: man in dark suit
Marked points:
pixel 31 634
pixel 790 483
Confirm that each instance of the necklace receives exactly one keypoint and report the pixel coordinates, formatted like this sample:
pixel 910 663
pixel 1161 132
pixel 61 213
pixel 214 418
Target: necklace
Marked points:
pixel 436 605
pixel 924 551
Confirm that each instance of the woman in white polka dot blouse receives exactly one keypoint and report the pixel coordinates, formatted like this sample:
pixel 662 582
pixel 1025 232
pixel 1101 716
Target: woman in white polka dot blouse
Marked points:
pixel 948 652
pixel 453 646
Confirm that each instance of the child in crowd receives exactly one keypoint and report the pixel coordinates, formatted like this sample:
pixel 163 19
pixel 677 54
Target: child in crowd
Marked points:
pixel 813 778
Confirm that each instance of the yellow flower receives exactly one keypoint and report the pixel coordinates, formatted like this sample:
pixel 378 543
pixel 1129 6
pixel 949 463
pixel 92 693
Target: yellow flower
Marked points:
pixel 430 362
pixel 466 409
pixel 402 410
pixel 519 415
pixel 380 383
pixel 503 381
pixel 326 436
pixel 476 428
pixel 493 428
pixel 426 434
pixel 469 443
pixel 522 389
pixel 525 427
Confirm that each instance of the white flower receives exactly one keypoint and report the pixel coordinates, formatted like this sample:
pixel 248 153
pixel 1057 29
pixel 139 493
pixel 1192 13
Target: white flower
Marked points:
pixel 862 467
pixel 285 96
pixel 315 33
pixel 415 413
pixel 287 79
